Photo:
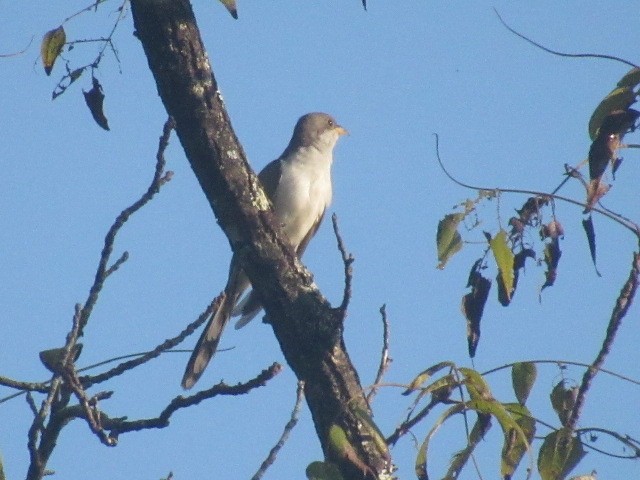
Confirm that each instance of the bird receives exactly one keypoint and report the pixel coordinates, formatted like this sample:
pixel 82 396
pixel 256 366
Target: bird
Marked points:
pixel 298 184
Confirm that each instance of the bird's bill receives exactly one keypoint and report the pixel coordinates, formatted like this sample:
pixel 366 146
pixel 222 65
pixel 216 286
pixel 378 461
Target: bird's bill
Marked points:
pixel 341 130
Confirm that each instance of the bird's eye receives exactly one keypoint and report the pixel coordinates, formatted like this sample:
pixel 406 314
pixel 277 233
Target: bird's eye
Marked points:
pixel 331 123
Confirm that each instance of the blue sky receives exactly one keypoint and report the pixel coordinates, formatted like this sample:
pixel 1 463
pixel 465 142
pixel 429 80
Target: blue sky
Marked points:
pixel 508 115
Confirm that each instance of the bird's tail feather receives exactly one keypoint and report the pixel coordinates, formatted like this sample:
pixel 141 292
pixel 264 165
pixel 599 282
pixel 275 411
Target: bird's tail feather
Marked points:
pixel 248 308
pixel 207 344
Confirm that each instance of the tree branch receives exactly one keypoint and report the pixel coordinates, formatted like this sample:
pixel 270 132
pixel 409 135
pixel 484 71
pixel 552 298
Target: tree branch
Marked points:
pixel 623 302
pixel 308 329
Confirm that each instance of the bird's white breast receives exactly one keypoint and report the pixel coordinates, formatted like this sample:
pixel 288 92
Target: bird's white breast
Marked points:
pixel 304 192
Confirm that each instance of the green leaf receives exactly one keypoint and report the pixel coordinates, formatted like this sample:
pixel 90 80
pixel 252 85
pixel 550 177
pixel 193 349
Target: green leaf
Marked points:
pixel 631 78
pixel 342 448
pixel 559 454
pixel 591 476
pixel 338 440
pixel 516 441
pixel 230 5
pixel 425 375
pixel 523 376
pixel 515 446
pixel 448 240
pixel 562 400
pixel 441 389
pixel 620 98
pixel 421 459
pixel 51 46
pixel 460 459
pixel 504 259
pixel 323 471
pixel 476 386
pixel 370 428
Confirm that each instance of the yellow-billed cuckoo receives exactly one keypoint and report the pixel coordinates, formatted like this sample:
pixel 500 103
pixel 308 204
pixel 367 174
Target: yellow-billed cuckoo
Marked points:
pixel 299 187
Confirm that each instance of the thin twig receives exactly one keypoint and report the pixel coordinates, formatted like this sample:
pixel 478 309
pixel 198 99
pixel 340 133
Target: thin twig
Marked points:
pixel 85 9
pixel 634 228
pixel 118 426
pixel 385 360
pixel 41 439
pixel 40 387
pixel 563 54
pixel 19 52
pixel 295 413
pixel 626 441
pixel 121 368
pixel 118 263
pixel 563 362
pixel 347 260
pixel 156 183
pixel 623 302
pixel 406 426
pixel 72 75
pixel 32 403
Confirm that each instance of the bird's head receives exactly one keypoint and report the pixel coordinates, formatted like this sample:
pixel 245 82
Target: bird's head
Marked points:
pixel 318 130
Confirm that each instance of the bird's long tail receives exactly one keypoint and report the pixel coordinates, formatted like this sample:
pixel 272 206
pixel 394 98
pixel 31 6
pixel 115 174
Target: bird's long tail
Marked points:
pixel 208 343
pixel 247 309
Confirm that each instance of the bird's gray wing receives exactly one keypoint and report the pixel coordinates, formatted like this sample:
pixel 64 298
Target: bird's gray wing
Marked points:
pixel 270 178
pixel 250 306
pixel 307 238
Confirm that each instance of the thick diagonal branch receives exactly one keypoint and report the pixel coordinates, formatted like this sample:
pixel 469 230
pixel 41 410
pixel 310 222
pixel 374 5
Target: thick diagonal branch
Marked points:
pixel 308 329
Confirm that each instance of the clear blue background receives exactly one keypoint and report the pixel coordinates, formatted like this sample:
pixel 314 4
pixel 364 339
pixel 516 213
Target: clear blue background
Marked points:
pixel 508 115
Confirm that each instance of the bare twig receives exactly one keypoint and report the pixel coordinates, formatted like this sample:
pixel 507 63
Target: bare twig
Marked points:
pixel 32 403
pixel 113 268
pixel 121 368
pixel 295 413
pixel 564 362
pixel 140 358
pixel 41 439
pixel 623 302
pixel 94 5
pixel 409 423
pixel 385 360
pixel 562 54
pixel 116 426
pixel 40 387
pixel 73 74
pixel 627 441
pixel 347 260
pixel 633 227
pixel 121 426
pixel 156 183
pixel 89 406
pixel 19 52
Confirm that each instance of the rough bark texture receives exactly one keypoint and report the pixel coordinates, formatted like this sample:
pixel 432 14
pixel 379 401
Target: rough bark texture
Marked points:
pixel 308 329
